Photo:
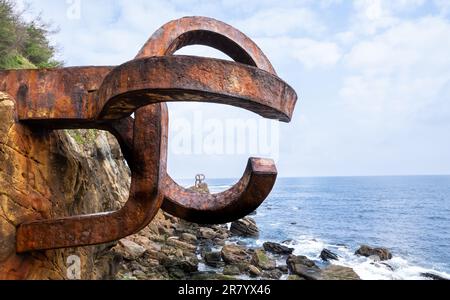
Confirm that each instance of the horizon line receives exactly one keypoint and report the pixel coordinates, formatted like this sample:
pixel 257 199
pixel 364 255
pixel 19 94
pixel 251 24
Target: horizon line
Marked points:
pixel 331 176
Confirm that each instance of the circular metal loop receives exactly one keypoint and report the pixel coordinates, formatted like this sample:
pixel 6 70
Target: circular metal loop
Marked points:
pixel 208 32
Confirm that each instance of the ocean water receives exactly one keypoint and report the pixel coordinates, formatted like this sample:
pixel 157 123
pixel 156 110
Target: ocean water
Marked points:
pixel 409 215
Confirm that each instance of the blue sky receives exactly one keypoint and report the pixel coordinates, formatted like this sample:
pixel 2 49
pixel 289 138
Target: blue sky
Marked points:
pixel 373 77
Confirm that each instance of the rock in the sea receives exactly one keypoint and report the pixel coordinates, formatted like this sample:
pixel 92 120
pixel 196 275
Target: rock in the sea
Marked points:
pixel 234 254
pixel 381 253
pixel 231 270
pixel 261 260
pixel 327 255
pixel 334 272
pixel 304 267
pixel 272 274
pixel 245 227
pixel 254 271
pixel 213 259
pixel 433 276
pixel 277 248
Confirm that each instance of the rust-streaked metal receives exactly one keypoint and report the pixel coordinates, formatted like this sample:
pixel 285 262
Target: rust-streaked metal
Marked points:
pixel 147 163
pixel 105 97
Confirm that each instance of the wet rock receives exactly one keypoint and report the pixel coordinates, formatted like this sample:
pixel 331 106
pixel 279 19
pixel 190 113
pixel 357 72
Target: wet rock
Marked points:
pixel 260 259
pixel 381 253
pixel 245 227
pixel 295 277
pixel 231 270
pixel 334 272
pixel 327 255
pixel 433 276
pixel 213 259
pixel 210 276
pixel 254 271
pixel 283 269
pixel 277 248
pixel 304 267
pixel 233 254
pixel 273 274
pixel 180 268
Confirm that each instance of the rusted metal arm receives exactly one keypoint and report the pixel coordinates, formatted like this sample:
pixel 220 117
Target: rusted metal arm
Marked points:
pixel 148 166
pixel 235 203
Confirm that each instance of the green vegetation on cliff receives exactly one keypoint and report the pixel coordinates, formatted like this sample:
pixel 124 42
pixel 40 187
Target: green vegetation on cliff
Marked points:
pixel 24 44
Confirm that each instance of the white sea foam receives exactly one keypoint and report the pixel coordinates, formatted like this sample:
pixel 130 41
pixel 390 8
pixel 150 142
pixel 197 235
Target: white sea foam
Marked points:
pixel 397 268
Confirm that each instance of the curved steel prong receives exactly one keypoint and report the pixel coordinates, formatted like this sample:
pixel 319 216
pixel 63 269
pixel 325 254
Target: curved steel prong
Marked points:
pixel 147 162
pixel 238 201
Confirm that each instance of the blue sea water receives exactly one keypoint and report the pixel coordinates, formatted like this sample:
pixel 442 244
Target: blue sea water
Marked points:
pixel 410 215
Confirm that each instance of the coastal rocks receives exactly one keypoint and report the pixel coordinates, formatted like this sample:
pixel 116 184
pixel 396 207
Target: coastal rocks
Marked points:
pixel 277 248
pixel 234 254
pixel 275 274
pixel 213 259
pixel 245 227
pixel 381 253
pixel 334 272
pixel 231 270
pixel 327 255
pixel 261 260
pixel 207 233
pixel 304 267
pixel 433 276
pixel 307 269
pixel 180 267
pixel 129 249
pixel 254 271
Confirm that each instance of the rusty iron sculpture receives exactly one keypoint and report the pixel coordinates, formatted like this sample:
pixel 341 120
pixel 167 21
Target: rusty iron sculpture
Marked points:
pixel 104 98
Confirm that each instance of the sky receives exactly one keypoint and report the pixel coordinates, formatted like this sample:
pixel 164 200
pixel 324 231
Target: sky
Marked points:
pixel 372 77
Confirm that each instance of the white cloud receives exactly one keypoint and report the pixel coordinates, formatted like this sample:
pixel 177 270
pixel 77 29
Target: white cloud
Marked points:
pixel 281 21
pixel 310 53
pixel 397 74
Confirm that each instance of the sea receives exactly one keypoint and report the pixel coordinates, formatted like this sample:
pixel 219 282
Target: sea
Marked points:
pixel 409 215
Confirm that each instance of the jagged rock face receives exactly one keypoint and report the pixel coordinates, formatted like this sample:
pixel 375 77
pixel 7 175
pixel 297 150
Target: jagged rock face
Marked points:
pixel 46 174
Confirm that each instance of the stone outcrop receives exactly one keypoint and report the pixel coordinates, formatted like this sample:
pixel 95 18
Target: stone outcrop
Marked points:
pixel 277 248
pixel 334 272
pixel 381 253
pixel 245 227
pixel 327 255
pixel 47 174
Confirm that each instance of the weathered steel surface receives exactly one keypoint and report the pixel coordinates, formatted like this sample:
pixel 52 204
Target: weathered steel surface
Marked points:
pixel 209 32
pixel 147 163
pixel 104 97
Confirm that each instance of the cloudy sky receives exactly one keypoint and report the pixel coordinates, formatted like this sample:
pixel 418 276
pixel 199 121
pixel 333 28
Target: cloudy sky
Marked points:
pixel 373 79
